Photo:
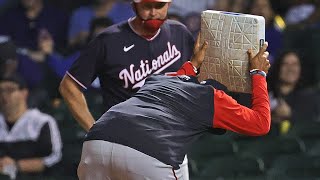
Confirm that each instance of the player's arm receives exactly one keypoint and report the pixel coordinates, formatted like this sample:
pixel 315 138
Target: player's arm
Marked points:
pixel 78 78
pixel 76 102
pixel 230 115
pixel 191 67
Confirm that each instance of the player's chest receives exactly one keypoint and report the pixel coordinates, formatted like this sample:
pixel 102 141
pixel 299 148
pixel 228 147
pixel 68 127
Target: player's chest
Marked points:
pixel 149 57
pixel 131 51
pixel 134 62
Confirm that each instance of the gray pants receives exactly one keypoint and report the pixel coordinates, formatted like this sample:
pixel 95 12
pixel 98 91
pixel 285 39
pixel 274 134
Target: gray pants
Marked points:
pixel 102 160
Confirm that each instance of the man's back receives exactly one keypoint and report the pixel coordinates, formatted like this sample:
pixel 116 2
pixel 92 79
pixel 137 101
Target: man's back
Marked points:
pixel 166 114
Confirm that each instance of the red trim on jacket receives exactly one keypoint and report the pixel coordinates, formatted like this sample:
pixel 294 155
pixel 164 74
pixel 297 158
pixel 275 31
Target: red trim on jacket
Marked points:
pixel 230 115
pixel 186 69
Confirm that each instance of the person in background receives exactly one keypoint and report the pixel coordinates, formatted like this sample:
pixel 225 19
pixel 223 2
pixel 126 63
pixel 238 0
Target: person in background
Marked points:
pixel 30 141
pixel 274 28
pixel 33 20
pixel 39 76
pixel 79 26
pixel 59 63
pixel 290 101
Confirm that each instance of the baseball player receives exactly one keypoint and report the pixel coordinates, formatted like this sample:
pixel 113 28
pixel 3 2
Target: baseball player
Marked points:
pixel 124 55
pixel 147 136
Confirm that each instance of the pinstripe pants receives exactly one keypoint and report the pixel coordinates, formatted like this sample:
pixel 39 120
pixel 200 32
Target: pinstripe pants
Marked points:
pixel 102 160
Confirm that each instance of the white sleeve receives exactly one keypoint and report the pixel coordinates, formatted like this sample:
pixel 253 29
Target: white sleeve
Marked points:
pixel 56 154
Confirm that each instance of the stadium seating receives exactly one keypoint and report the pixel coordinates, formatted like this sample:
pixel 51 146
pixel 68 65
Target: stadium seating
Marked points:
pixel 208 147
pixel 313 147
pixel 306 129
pixel 295 156
pixel 296 167
pixel 232 167
pixel 72 136
pixel 270 148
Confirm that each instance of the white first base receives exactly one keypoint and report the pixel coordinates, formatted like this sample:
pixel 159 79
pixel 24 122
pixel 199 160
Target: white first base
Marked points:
pixel 230 35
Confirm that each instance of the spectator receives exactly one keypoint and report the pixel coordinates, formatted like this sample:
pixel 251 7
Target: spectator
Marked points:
pixel 273 33
pixel 39 76
pixel 81 17
pixel 289 101
pixel 43 70
pixel 26 24
pixel 61 64
pixel 29 140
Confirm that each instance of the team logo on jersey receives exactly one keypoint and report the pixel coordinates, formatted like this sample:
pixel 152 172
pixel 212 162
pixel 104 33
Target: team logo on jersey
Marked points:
pixel 147 67
pixel 126 49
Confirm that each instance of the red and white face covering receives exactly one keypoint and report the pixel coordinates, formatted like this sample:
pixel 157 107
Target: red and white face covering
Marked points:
pixel 152 25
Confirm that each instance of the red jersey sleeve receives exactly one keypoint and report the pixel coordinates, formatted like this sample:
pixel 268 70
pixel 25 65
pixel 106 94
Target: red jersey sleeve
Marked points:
pixel 230 115
pixel 186 69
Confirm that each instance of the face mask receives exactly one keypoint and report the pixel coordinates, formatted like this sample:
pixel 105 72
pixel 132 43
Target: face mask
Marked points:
pixel 152 25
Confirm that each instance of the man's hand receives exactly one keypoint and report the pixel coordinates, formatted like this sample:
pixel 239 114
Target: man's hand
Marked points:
pixel 36 56
pixel 260 61
pixel 283 110
pixel 199 52
pixel 5 161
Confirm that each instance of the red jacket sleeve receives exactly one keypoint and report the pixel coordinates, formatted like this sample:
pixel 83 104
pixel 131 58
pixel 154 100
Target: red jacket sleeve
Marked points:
pixel 186 69
pixel 230 115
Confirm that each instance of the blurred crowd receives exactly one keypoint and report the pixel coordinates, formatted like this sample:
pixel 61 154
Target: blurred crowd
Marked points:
pixel 40 39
